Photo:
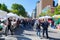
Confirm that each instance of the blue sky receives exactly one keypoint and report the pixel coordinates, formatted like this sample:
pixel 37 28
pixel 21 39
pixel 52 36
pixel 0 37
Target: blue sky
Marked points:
pixel 29 5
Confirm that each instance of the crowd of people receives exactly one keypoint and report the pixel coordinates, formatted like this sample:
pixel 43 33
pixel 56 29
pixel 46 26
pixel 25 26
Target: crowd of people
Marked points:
pixel 12 24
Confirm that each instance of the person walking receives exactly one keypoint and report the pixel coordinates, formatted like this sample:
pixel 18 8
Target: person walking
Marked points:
pixel 45 25
pixel 9 26
pixel 38 28
pixel 18 23
pixel 13 24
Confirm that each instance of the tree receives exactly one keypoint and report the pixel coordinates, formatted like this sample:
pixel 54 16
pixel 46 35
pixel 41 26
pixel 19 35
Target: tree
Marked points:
pixel 19 9
pixel 57 10
pixel 48 12
pixel 42 14
pixel 0 6
pixel 4 7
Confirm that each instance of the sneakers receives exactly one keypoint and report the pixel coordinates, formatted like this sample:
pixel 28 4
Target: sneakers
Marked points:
pixel 47 37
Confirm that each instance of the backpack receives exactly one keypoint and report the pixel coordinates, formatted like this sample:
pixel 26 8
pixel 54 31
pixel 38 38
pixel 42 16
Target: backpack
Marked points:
pixel 46 24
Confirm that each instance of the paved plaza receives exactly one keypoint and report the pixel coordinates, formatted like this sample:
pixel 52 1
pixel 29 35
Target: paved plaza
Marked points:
pixel 54 34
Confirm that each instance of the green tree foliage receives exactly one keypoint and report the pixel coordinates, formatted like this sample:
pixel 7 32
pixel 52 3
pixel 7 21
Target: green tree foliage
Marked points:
pixel 57 10
pixel 19 9
pixel 0 6
pixel 49 13
pixel 3 7
pixel 42 14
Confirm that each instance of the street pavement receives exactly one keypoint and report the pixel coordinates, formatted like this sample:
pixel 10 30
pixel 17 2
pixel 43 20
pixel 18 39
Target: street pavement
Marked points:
pixel 30 34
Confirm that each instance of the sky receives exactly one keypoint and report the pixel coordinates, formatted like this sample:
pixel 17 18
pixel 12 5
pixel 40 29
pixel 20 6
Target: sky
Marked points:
pixel 29 5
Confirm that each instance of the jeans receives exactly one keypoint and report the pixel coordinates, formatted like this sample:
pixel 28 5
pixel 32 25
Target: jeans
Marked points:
pixel 45 31
pixel 38 32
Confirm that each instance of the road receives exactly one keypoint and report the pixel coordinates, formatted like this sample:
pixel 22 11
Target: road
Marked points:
pixel 21 34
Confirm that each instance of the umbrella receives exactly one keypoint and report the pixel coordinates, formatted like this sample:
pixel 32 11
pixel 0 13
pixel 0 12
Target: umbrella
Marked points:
pixel 12 15
pixel 16 16
pixel 41 17
pixel 56 16
pixel 2 14
pixel 21 17
pixel 44 17
pixel 47 17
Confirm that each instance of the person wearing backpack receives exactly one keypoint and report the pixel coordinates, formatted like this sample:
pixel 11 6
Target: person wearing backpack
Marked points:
pixel 45 25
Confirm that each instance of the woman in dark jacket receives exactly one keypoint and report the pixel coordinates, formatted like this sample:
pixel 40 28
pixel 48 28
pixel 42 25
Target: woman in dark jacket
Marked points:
pixel 9 26
pixel 38 28
pixel 18 23
pixel 45 25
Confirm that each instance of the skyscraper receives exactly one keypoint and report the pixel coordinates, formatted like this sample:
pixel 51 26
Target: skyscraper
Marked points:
pixel 38 8
pixel 43 4
pixel 47 3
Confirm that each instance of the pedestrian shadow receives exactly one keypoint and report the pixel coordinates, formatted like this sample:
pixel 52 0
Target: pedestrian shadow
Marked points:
pixel 28 28
pixel 30 34
pixel 23 38
pixel 51 38
pixel 2 38
pixel 18 31
pixel 52 32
